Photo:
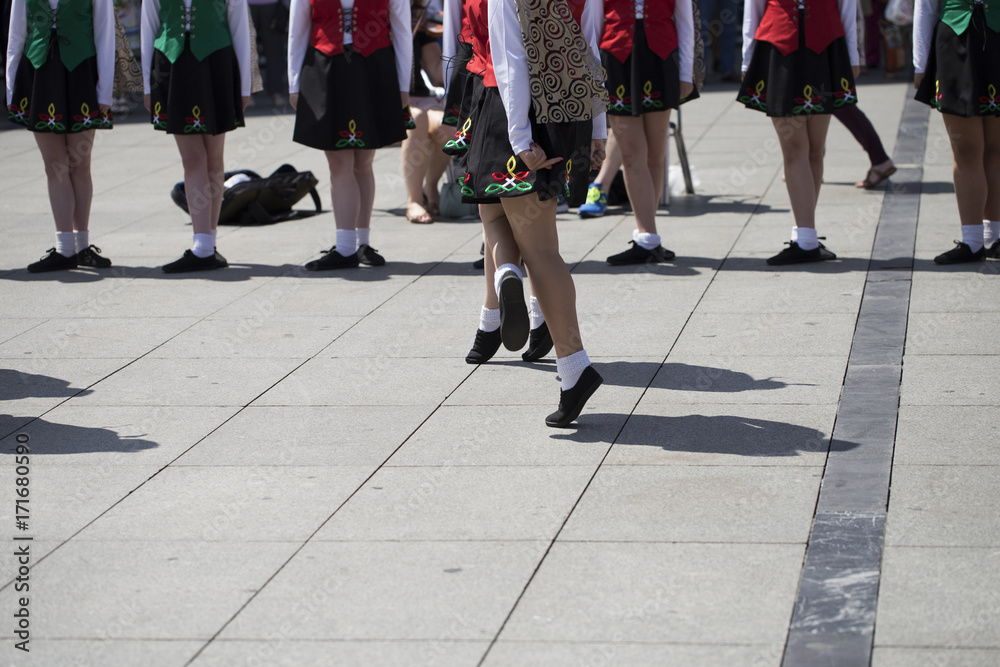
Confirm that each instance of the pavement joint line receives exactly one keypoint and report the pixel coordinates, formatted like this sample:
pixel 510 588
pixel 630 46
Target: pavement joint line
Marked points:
pixel 833 620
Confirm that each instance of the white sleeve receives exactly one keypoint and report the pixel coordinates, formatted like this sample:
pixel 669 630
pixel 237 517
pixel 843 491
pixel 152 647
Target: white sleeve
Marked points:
pixel 402 41
pixel 510 65
pixel 752 13
pixel 925 19
pixel 148 28
pixel 849 17
pixel 299 27
pixel 684 23
pixel 16 37
pixel 104 41
pixel 449 38
pixel 238 15
pixel 590 24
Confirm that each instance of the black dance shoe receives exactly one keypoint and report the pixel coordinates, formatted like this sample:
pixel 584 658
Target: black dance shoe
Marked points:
pixel 793 254
pixel 994 250
pixel 485 346
pixel 571 401
pixel 218 256
pixel 539 343
pixel 962 253
pixel 369 256
pixel 514 322
pixel 332 259
pixel 639 255
pixel 91 256
pixel 53 261
pixel 191 262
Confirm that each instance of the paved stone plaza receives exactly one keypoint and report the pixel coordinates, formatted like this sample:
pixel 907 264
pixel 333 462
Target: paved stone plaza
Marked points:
pixel 262 466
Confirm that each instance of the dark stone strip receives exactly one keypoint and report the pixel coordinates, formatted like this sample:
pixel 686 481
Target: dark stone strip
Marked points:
pixel 834 618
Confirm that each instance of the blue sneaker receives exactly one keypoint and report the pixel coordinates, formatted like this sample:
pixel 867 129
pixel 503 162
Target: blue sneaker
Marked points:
pixel 596 204
pixel 562 206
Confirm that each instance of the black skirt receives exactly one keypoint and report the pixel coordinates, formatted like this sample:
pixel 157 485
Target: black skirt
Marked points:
pixel 458 102
pixel 494 172
pixel 472 100
pixel 349 101
pixel 645 82
pixel 52 99
pixel 963 71
pixel 194 96
pixel 800 84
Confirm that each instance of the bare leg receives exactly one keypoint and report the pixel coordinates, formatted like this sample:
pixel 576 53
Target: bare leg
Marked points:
pixel 642 141
pixel 197 183
pixel 967 137
pixel 344 191
pixel 802 144
pixel 79 147
pixel 991 164
pixel 57 159
pixel 364 176
pixel 215 162
pixel 437 163
pixel 612 163
pixel 415 151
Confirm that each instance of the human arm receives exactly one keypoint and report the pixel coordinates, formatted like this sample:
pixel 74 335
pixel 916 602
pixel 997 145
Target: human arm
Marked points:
pixel 148 27
pixel 849 17
pixel 104 42
pixel 925 18
pixel 449 39
pixel 753 10
pixel 591 24
pixel 238 15
pixel 510 65
pixel 299 27
pixel 16 37
pixel 402 42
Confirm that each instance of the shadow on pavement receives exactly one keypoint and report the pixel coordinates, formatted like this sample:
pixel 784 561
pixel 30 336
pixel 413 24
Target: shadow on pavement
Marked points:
pixel 49 438
pixel 16 385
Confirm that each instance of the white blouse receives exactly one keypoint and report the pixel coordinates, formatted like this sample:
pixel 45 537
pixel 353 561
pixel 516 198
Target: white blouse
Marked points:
pixel 104 43
pixel 449 40
pixel 683 23
pixel 300 24
pixel 753 11
pixel 238 17
pixel 510 65
pixel 925 18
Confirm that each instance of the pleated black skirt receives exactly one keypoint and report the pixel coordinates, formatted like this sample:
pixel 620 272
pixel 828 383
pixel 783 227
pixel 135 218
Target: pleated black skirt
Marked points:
pixel 962 77
pixel 494 172
pixel 194 96
pixel 459 99
pixel 645 82
pixel 52 99
pixel 349 101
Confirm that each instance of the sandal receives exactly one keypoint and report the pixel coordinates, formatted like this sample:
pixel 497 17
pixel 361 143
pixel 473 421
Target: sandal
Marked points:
pixel 875 177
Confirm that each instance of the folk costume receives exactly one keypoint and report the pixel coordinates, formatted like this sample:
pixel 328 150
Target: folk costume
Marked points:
pixel 647 48
pixel 547 91
pixel 797 57
pixel 456 51
pixel 60 65
pixel 196 64
pixel 956 44
pixel 349 60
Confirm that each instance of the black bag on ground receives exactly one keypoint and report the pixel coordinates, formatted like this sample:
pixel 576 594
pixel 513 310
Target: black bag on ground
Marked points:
pixel 262 201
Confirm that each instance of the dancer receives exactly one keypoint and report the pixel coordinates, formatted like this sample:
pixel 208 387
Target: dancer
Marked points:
pixel 956 55
pixel 60 73
pixel 196 75
pixel 527 148
pixel 648 51
pixel 799 66
pixel 350 94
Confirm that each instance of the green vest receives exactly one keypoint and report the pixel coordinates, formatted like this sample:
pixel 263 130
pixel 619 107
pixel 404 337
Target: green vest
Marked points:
pixel 957 14
pixel 74 21
pixel 209 28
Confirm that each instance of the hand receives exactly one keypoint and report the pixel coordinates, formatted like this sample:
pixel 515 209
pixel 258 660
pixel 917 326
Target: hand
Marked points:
pixel 917 79
pixel 686 88
pixel 105 108
pixel 597 153
pixel 293 99
pixel 405 98
pixel 442 133
pixel 145 102
pixel 743 75
pixel 246 101
pixel 534 158
pixel 856 71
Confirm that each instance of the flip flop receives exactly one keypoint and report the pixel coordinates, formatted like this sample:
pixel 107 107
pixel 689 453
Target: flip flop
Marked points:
pixel 875 177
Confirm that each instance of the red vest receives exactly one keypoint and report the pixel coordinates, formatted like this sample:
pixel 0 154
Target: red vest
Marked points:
pixel 619 27
pixel 780 24
pixel 369 26
pixel 482 61
pixel 466 34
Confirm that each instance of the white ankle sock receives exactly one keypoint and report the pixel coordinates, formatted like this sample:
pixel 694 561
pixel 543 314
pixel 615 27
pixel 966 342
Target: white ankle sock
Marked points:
pixel 204 246
pixel 645 239
pixel 795 234
pixel 82 239
pixel 65 244
pixel 503 270
pixel 972 236
pixel 347 242
pixel 991 232
pixel 489 319
pixel 571 368
pixel 535 312
pixel 364 233
pixel 806 238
